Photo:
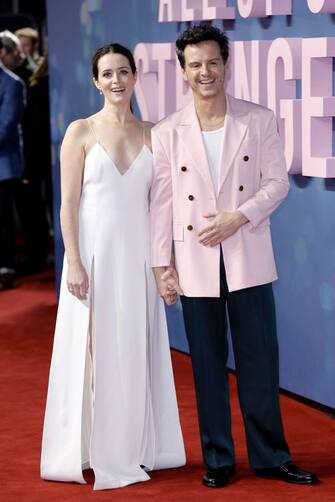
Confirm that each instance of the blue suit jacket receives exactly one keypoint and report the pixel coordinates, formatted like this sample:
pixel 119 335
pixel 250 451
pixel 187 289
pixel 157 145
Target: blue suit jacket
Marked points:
pixel 12 102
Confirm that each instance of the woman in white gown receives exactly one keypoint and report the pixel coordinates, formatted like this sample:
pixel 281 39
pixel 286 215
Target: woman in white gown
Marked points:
pixel 111 402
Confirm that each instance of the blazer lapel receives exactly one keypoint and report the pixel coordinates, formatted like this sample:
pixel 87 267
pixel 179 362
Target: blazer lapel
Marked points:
pixel 190 133
pixel 235 128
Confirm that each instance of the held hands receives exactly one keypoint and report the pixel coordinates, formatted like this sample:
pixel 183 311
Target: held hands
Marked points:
pixel 223 225
pixel 168 284
pixel 170 277
pixel 77 281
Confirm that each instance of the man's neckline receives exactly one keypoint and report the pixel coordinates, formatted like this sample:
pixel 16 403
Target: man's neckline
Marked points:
pixel 213 131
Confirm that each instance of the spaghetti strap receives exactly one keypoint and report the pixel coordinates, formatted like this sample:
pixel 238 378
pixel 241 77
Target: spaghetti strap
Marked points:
pixel 90 126
pixel 143 126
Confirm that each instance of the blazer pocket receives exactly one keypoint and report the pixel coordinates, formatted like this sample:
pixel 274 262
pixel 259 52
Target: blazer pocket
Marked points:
pixel 178 232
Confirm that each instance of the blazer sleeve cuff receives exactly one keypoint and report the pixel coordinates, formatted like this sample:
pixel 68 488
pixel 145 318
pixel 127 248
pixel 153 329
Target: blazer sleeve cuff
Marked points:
pixel 162 259
pixel 252 214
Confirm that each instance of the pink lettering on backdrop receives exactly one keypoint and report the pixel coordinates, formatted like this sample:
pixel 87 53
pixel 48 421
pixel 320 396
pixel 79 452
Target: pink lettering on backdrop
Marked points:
pixel 266 72
pixel 146 89
pixel 183 91
pixel 167 11
pixel 242 72
pixel 160 87
pixel 283 69
pixel 179 10
pixel 318 107
pixel 252 8
pixel 278 7
pixel 263 8
pixel 321 6
pixel 248 69
pixel 198 10
pixel 217 9
pixel 190 9
pixel 164 54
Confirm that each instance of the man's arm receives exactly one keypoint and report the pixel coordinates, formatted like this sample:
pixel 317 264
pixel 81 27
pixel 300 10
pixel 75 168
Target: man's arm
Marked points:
pixel 274 180
pixel 11 111
pixel 273 189
pixel 160 206
pixel 161 218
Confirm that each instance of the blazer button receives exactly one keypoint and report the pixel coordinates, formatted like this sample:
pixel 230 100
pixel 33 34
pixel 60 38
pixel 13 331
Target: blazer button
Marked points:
pixel 246 158
pixel 189 227
pixel 241 188
pixel 190 197
pixel 183 168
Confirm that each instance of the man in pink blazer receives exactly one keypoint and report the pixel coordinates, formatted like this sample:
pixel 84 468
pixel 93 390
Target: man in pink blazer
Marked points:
pixel 219 173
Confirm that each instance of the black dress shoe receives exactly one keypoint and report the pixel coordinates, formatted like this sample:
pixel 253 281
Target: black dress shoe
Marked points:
pixel 288 472
pixel 217 478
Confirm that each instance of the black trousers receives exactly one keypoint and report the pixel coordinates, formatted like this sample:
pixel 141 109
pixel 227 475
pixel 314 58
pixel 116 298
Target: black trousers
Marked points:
pixel 253 327
pixel 32 212
pixel 7 224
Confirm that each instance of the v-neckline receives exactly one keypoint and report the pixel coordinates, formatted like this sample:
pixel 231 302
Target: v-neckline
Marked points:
pixel 114 164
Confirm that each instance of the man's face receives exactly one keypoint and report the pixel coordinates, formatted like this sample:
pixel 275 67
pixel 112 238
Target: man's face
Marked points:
pixel 10 58
pixel 204 68
pixel 28 45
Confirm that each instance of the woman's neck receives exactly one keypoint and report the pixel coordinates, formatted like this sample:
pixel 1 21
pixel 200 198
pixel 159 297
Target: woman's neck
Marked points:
pixel 118 114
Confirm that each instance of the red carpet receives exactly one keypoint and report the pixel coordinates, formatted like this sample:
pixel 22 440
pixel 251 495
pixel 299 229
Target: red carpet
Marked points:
pixel 27 317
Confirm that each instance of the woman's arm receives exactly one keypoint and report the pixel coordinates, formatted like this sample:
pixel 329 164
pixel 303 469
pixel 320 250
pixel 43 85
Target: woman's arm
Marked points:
pixel 72 159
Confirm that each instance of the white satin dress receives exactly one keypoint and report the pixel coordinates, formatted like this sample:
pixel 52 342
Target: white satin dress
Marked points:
pixel 111 401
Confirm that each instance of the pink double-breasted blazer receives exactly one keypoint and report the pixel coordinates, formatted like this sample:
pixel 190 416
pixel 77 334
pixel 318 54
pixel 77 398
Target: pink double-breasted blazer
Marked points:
pixel 253 179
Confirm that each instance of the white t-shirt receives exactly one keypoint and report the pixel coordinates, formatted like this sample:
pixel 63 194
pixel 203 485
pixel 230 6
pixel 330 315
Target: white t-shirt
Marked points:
pixel 213 144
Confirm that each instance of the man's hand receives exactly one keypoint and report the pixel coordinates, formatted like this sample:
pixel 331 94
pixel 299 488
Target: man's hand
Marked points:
pixel 168 287
pixel 223 225
pixel 170 276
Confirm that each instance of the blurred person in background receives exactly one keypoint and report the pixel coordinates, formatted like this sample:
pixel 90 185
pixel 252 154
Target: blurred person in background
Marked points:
pixel 40 151
pixel 11 55
pixel 12 101
pixel 30 41
pixel 35 188
pixel 31 59
pixel 34 201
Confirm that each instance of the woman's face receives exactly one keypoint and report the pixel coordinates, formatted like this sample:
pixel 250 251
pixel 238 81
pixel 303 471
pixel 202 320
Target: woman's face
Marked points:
pixel 115 78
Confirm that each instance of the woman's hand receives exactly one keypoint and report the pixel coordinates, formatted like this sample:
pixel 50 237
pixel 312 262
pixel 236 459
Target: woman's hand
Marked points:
pixel 77 281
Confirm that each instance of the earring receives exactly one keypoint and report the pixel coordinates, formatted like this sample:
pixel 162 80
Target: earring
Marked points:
pixel 100 91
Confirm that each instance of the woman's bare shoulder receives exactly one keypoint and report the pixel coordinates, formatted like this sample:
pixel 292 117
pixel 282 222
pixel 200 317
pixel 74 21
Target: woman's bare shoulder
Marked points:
pixel 77 128
pixel 81 126
pixel 76 136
